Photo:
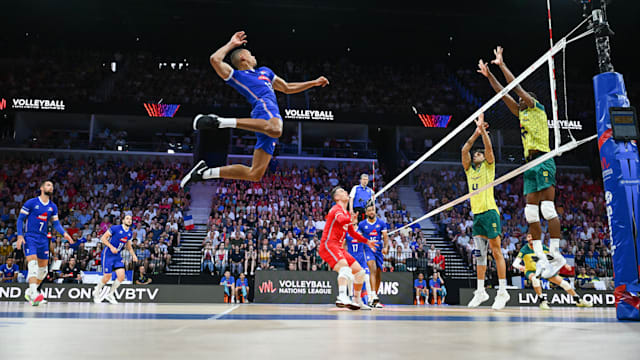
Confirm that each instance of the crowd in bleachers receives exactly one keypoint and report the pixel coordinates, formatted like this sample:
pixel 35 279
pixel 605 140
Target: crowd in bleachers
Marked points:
pixel 277 223
pixel 92 195
pixel 580 204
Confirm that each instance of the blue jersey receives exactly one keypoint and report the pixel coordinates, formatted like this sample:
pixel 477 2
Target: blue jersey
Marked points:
pixel 9 272
pixel 255 85
pixel 119 237
pixel 355 247
pixel 241 283
pixel 373 231
pixel 38 215
pixel 361 195
pixel 420 284
pixel 227 282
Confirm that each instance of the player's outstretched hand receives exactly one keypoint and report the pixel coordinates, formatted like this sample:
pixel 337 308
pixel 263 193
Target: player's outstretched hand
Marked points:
pixel 499 59
pixel 354 218
pixel 372 244
pixel 482 126
pixel 68 238
pixel 239 38
pixel 321 81
pixel 20 242
pixel 483 68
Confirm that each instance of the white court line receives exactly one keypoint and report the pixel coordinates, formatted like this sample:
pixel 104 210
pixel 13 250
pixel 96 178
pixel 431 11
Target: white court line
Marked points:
pixel 224 312
pixel 215 317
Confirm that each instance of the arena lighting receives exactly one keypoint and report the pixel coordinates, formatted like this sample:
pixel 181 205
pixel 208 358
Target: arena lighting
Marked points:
pixel 435 121
pixel 161 110
pixel 170 151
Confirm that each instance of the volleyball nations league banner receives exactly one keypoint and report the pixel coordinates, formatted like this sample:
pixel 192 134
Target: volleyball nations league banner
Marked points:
pixel 321 287
pixel 528 297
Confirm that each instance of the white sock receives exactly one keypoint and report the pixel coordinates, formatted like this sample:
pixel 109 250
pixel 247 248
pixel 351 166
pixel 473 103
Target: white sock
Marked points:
pixel 417 299
pixel 554 246
pixel 227 122
pixel 33 289
pixel 99 286
pixel 502 284
pixel 114 287
pixel 367 284
pixel 480 284
pixel 342 290
pixel 537 248
pixel 211 173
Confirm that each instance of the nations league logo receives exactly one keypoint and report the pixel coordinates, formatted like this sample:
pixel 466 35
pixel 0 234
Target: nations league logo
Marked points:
pixel 301 287
pixel 294 114
pixel 267 287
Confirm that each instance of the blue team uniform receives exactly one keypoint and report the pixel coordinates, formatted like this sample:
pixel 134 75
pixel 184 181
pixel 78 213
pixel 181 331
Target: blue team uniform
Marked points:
pixel 37 215
pixel 373 231
pixel 357 250
pixel 9 272
pixel 119 238
pixel 420 284
pixel 256 86
pixel 243 284
pixel 227 282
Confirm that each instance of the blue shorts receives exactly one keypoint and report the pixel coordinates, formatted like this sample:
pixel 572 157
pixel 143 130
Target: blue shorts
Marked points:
pixel 369 254
pixel 266 110
pixel 379 258
pixel 111 261
pixel 36 245
pixel 361 259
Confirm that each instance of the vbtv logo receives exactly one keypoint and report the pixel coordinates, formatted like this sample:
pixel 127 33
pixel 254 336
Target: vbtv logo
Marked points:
pixel 267 287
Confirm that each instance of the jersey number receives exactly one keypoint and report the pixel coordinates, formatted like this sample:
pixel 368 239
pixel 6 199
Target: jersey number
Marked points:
pixel 474 187
pixel 523 132
pixel 355 247
pixel 41 225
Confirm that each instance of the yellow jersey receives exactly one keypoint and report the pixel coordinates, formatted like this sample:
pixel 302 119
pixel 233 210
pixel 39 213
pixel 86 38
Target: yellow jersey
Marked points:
pixel 534 129
pixel 477 177
pixel 527 255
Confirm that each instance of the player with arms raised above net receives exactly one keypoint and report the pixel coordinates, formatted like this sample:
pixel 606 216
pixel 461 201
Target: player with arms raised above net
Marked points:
pixel 257 85
pixel 331 250
pixel 539 182
pixel 481 171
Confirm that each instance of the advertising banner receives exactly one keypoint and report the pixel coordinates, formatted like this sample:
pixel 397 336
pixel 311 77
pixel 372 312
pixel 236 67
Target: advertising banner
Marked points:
pixel 321 287
pixel 528 297
pixel 125 293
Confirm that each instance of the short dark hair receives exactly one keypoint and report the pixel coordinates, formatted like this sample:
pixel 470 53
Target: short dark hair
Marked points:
pixel 235 56
pixel 334 191
pixel 478 150
pixel 46 181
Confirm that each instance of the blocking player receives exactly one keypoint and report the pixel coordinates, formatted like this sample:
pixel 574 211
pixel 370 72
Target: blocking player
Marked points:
pixel 339 222
pixel 527 255
pixel 375 229
pixel 257 85
pixel 37 212
pixel 114 240
pixel 480 172
pixel 539 182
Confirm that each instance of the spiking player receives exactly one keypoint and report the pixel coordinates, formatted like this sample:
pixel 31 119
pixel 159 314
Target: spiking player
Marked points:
pixel 38 211
pixel 114 240
pixel 539 182
pixel 527 255
pixel 356 249
pixel 374 229
pixel 486 218
pixel 257 85
pixel 339 222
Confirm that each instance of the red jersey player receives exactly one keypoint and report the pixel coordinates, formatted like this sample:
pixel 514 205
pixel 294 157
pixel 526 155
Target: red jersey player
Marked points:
pixel 339 222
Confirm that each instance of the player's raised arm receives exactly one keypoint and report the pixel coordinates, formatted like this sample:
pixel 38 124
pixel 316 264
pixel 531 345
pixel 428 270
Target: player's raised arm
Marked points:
pixel 465 152
pixel 499 60
pixel 216 59
pixel 483 68
pixel 486 140
pixel 295 87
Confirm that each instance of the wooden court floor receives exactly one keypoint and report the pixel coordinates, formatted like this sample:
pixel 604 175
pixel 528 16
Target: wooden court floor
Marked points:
pixel 255 331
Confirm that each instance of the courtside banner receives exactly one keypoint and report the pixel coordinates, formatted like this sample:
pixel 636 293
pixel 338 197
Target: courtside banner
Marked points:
pixel 321 287
pixel 528 297
pixel 125 293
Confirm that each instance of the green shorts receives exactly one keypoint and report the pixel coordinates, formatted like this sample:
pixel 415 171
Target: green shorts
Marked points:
pixel 540 177
pixel 487 224
pixel 528 273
